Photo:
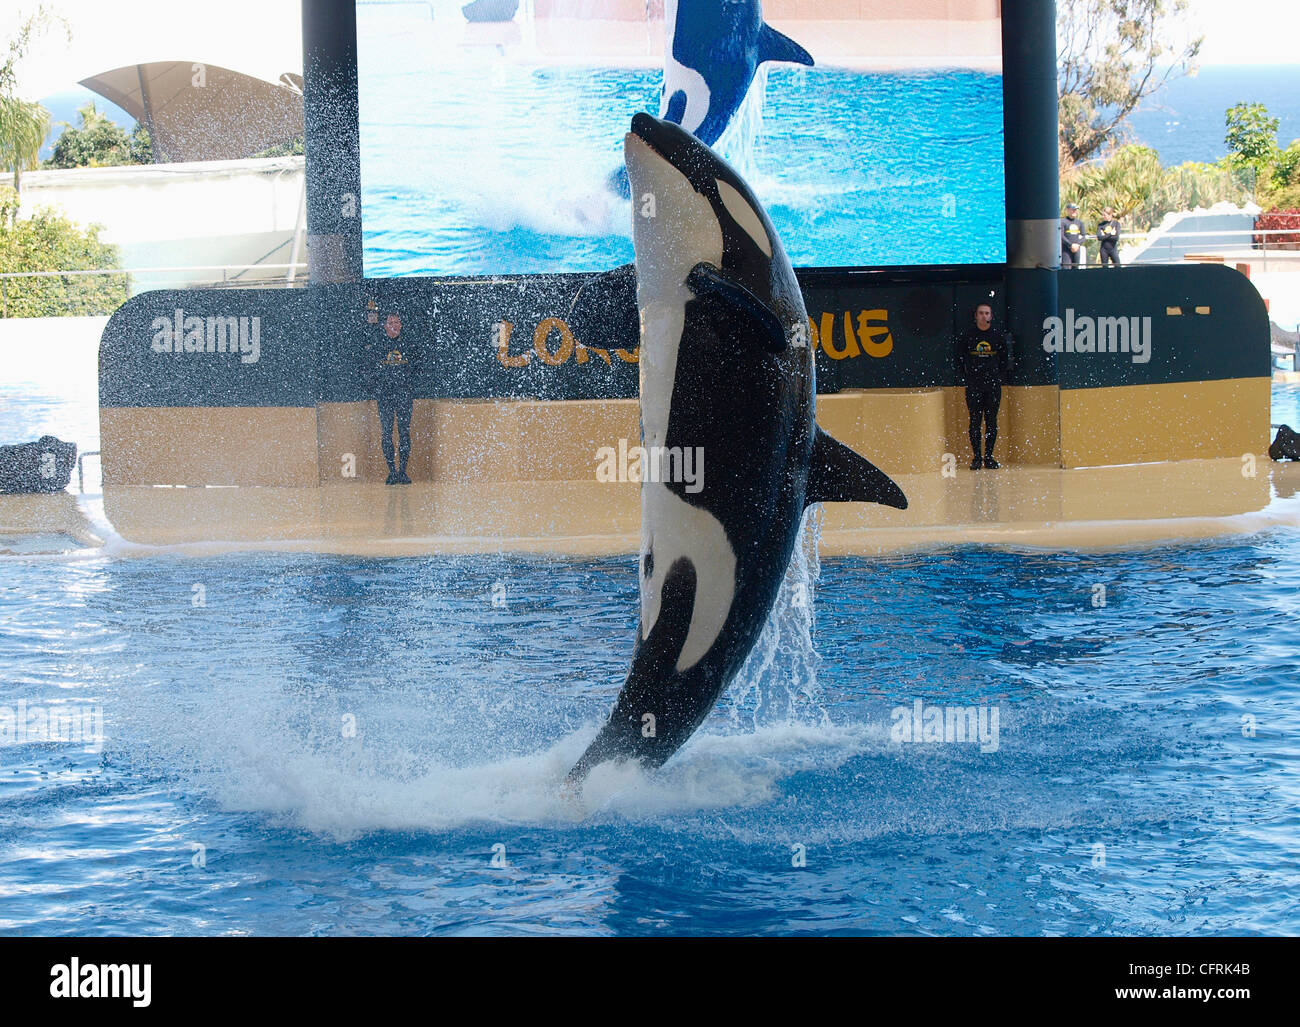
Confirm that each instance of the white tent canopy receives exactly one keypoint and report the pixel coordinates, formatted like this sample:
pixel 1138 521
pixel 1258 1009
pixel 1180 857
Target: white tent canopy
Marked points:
pixel 197 111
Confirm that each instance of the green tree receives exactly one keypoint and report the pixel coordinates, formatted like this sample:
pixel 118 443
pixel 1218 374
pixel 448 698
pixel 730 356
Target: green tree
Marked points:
pixel 1287 169
pixel 23 128
pixel 1111 56
pixel 23 124
pixel 48 241
pixel 1193 185
pixel 141 145
pixel 1254 152
pixel 1251 137
pixel 1283 189
pixel 96 143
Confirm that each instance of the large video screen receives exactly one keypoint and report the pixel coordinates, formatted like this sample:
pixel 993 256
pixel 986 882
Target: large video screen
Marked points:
pixel 491 132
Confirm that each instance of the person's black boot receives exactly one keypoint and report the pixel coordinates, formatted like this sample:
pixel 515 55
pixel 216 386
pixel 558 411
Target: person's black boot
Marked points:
pixel 976 464
pixel 392 478
pixel 990 439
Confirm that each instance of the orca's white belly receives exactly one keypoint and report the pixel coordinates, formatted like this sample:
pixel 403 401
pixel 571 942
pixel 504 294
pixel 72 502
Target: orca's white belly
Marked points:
pixel 672 529
pixel 680 79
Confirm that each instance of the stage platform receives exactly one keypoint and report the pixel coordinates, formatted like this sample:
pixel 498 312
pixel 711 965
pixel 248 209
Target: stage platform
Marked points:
pixel 1015 507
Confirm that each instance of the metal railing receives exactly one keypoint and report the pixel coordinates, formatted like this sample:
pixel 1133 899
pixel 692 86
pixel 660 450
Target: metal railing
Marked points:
pixel 81 472
pixel 1219 232
pixel 1248 234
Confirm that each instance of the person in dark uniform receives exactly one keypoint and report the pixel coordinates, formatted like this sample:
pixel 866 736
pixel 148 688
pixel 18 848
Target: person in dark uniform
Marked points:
pixel 1108 236
pixel 1071 238
pixel 393 358
pixel 983 358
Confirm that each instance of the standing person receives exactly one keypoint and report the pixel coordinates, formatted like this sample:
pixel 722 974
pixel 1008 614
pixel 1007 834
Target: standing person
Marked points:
pixel 1108 236
pixel 1071 238
pixel 983 358
pixel 393 358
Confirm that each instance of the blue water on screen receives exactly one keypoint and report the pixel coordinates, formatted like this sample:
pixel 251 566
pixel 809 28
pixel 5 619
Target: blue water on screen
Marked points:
pixel 473 164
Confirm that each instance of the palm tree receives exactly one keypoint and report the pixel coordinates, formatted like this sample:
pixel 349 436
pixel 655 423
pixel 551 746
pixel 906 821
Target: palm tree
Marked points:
pixel 24 124
pixel 23 128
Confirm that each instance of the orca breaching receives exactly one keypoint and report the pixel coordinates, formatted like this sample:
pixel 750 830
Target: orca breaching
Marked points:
pixel 713 51
pixel 725 366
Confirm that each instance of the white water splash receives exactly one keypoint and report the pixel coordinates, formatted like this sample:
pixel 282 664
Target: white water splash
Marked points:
pixel 778 682
pixel 738 144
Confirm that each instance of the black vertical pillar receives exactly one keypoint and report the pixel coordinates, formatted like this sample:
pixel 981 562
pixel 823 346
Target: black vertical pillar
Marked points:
pixel 329 71
pixel 1029 89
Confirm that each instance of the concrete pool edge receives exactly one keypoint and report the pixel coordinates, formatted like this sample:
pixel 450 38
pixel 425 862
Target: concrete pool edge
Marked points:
pixel 1038 508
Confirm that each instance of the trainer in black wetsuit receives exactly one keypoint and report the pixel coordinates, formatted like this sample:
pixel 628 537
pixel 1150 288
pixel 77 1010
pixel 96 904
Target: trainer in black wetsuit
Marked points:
pixel 1108 236
pixel 393 357
pixel 983 357
pixel 1071 237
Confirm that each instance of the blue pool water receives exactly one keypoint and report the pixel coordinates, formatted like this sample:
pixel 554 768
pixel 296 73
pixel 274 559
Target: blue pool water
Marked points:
pixel 1119 727
pixel 342 745
pixel 474 164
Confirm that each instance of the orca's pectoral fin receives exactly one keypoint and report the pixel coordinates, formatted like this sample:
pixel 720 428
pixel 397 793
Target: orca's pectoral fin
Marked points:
pixel 707 282
pixel 836 474
pixel 773 46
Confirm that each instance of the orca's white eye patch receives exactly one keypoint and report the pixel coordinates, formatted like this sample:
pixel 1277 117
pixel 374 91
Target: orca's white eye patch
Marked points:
pixel 744 215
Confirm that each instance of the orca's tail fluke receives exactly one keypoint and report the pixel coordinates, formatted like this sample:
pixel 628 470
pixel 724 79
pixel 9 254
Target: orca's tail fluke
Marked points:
pixel 836 474
pixel 599 751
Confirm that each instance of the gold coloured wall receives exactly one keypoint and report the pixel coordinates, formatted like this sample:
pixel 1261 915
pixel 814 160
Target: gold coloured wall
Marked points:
pixel 208 445
pixel 1177 421
pixel 902 431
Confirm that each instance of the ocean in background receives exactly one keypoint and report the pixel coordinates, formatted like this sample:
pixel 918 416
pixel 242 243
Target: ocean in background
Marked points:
pixel 1185 120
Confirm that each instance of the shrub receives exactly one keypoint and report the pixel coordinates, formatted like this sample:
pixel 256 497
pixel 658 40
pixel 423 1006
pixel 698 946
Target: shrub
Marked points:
pixel 1275 220
pixel 1287 169
pixel 48 241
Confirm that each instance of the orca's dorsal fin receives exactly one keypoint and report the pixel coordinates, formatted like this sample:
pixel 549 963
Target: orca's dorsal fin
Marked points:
pixel 773 46
pixel 836 474
pixel 705 280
